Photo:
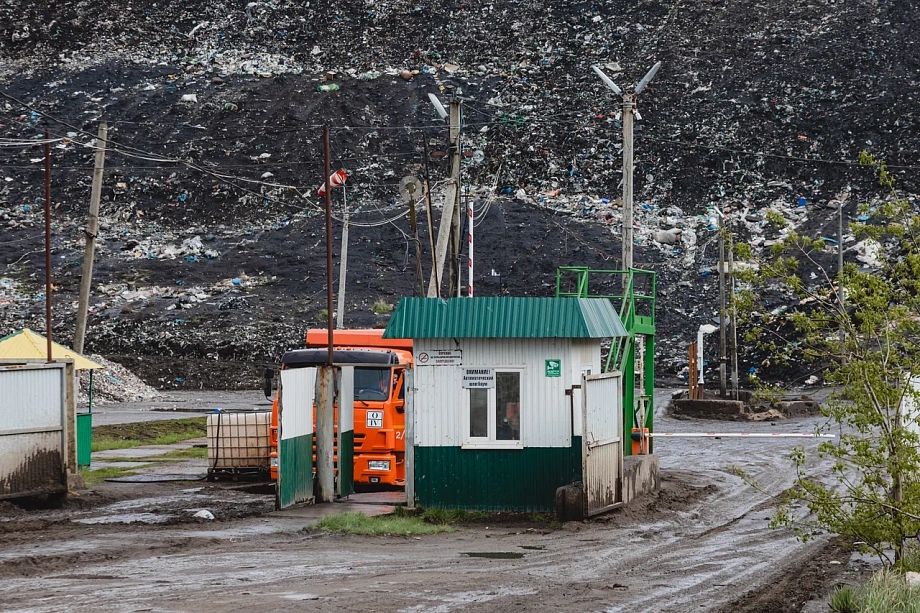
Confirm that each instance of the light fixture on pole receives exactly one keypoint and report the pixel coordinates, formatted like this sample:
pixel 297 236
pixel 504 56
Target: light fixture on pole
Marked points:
pixel 629 109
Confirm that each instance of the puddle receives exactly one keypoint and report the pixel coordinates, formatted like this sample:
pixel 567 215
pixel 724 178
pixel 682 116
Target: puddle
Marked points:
pixel 126 518
pixel 533 547
pixel 495 555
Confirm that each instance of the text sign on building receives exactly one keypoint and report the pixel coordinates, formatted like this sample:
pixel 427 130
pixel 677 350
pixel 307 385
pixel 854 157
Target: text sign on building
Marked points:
pixel 479 378
pixel 553 368
pixel 439 357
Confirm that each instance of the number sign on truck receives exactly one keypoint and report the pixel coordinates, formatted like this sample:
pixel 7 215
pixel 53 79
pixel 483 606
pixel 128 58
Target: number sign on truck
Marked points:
pixel 375 419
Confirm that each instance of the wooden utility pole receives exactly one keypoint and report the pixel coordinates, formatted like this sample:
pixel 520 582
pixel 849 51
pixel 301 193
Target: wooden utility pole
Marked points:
pixel 48 325
pixel 325 475
pixel 629 103
pixel 449 230
pixel 413 226
pixel 343 266
pixel 435 275
pixel 92 229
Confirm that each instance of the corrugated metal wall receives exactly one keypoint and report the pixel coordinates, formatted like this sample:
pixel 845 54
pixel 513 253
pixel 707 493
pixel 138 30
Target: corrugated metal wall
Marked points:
pixel 32 430
pixel 546 410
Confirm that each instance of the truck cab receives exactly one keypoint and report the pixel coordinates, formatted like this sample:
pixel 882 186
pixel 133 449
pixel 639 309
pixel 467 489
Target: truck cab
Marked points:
pixel 378 403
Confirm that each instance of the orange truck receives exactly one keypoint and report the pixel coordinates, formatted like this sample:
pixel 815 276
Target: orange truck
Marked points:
pixel 379 399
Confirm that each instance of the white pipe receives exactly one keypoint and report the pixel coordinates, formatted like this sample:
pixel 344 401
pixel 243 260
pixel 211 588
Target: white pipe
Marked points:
pixel 738 435
pixel 469 222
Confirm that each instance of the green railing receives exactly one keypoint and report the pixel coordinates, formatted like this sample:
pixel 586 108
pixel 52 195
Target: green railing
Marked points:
pixel 637 312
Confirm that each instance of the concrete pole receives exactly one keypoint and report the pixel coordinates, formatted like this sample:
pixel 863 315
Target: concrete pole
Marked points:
pixel 731 299
pixel 92 229
pixel 325 435
pixel 343 267
pixel 449 212
pixel 629 102
pixel 722 327
pixel 843 309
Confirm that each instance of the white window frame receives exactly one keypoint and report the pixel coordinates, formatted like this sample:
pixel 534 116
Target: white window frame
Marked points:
pixel 490 442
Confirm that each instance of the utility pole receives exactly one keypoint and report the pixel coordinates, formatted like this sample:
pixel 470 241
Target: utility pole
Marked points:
pixel 48 240
pixel 324 403
pixel 92 229
pixel 843 310
pixel 343 265
pixel 722 318
pixel 413 226
pixel 435 275
pixel 629 110
pixel 629 105
pixel 449 230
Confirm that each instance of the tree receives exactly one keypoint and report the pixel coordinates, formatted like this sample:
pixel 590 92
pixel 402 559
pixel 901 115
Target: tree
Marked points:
pixel 863 328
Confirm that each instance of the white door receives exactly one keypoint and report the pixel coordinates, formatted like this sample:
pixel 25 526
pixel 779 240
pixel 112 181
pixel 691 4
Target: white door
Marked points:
pixel 602 445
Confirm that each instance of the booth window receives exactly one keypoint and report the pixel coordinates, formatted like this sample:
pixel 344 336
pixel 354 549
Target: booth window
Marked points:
pixel 495 414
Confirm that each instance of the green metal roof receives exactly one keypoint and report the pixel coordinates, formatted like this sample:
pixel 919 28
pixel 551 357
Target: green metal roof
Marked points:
pixel 491 317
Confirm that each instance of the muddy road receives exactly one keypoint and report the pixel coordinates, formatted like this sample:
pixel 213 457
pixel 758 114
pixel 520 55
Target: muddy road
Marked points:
pixel 699 544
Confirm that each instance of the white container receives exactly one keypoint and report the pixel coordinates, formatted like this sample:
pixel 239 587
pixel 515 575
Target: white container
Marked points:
pixel 239 440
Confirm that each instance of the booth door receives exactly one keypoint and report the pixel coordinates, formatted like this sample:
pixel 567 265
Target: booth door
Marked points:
pixel 602 445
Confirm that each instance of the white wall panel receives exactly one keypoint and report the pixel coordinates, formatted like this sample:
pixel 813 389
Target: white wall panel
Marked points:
pixel 298 393
pixel 31 398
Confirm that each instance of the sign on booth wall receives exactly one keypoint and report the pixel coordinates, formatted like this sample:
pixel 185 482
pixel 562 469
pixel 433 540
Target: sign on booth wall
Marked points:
pixel 479 378
pixel 439 357
pixel 553 368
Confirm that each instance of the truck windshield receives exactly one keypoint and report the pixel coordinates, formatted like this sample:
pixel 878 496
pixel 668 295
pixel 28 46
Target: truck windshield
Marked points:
pixel 372 384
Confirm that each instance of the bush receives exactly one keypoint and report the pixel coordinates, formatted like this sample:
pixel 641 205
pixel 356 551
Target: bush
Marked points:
pixel 886 592
pixel 381 307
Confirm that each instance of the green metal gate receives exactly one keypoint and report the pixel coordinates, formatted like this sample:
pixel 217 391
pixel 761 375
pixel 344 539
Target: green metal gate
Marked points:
pixel 296 396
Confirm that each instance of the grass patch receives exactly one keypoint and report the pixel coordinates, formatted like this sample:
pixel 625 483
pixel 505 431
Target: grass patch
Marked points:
pixel 441 517
pixel 379 525
pixel 167 432
pixel 178 454
pixel 886 592
pixel 98 475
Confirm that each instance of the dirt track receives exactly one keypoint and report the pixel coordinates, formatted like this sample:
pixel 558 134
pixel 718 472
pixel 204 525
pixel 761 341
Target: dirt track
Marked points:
pixel 700 544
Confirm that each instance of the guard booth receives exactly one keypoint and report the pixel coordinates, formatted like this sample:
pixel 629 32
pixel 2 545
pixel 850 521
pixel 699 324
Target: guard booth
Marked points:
pixel 507 402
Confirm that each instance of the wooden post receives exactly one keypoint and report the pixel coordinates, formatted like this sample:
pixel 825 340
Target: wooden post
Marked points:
pixel 435 275
pixel 413 226
pixel 89 251
pixel 693 373
pixel 325 435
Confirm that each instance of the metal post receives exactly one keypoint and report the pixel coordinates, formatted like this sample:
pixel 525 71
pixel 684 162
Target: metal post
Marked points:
pixel 328 173
pixel 734 316
pixel 722 327
pixel 409 459
pixel 628 108
pixel 92 229
pixel 48 323
pixel 343 266
pixel 469 213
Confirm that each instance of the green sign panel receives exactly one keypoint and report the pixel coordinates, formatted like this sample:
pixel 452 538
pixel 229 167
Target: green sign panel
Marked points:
pixel 553 368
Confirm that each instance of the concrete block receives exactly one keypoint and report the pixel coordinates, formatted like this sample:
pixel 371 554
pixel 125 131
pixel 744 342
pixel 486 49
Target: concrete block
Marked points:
pixel 570 502
pixel 640 476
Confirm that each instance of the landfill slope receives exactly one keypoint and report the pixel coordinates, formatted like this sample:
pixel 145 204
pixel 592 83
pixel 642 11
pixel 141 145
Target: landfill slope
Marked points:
pixel 210 258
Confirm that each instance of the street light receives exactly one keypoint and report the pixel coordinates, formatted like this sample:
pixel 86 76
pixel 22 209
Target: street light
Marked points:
pixel 629 106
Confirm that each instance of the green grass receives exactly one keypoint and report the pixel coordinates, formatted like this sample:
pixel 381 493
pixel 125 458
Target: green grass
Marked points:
pixel 886 592
pixel 380 525
pixel 167 432
pixel 98 475
pixel 442 517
